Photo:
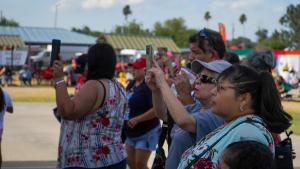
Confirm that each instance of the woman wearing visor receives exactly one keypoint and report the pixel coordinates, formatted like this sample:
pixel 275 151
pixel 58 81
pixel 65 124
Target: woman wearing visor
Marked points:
pixel 190 125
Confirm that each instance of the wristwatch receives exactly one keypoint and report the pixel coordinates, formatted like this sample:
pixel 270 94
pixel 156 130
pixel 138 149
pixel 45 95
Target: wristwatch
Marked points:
pixel 57 83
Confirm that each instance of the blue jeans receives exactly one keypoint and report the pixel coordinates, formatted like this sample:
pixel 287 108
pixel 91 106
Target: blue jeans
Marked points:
pixel 120 165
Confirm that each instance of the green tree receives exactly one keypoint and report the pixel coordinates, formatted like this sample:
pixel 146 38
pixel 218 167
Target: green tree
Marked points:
pixel 8 22
pixel 292 23
pixel 243 19
pixel 276 41
pixel 133 28
pixel 176 29
pixel 126 12
pixel 242 42
pixel 207 17
pixel 86 30
pixel 262 34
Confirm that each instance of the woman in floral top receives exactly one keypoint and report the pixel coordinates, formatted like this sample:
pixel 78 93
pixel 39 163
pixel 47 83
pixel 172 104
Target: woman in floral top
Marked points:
pixel 250 104
pixel 92 120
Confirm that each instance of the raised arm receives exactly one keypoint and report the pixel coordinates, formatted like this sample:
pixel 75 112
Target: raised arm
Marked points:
pixel 180 116
pixel 84 102
pixel 159 105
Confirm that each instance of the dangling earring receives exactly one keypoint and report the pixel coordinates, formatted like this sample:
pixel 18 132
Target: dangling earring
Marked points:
pixel 241 108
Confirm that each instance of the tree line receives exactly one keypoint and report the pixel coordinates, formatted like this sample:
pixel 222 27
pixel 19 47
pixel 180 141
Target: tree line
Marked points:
pixel 289 37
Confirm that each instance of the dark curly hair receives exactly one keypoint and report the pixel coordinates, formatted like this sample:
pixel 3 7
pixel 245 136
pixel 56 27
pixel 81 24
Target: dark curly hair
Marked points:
pixel 101 62
pixel 208 39
pixel 248 155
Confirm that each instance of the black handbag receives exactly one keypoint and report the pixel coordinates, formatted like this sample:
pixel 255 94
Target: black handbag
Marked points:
pixel 160 156
pixel 284 153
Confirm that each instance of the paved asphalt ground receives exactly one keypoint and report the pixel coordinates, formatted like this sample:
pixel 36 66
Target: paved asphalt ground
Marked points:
pixel 31 134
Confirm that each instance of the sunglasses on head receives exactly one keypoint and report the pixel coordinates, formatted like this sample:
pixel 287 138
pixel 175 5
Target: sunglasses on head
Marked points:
pixel 206 36
pixel 207 79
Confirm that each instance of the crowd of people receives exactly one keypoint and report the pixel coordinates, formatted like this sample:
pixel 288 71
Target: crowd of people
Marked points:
pixel 220 112
pixel 225 113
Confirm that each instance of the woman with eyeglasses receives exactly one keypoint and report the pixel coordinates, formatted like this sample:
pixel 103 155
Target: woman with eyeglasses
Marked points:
pixel 249 103
pixel 190 125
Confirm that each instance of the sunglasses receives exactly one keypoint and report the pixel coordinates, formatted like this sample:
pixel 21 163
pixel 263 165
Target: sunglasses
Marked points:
pixel 206 79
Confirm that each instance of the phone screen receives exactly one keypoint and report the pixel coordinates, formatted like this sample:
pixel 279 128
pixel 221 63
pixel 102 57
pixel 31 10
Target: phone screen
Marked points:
pixel 150 55
pixel 55 51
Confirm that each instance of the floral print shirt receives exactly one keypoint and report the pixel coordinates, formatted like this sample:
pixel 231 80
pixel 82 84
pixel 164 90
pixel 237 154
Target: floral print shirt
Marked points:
pixel 95 140
pixel 248 127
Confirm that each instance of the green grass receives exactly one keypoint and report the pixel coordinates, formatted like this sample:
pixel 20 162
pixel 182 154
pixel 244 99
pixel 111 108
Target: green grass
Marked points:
pixel 47 94
pixel 296 122
pixel 33 94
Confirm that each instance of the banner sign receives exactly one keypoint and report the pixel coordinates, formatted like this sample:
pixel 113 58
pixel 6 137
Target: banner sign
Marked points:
pixel 18 59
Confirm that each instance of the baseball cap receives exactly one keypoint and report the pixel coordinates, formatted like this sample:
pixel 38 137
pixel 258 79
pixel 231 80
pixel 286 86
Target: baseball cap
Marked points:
pixel 139 63
pixel 216 66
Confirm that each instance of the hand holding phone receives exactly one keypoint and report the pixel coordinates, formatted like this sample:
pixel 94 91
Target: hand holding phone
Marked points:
pixel 55 51
pixel 150 55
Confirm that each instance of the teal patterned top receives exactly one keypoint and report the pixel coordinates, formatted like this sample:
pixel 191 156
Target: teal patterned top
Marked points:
pixel 249 127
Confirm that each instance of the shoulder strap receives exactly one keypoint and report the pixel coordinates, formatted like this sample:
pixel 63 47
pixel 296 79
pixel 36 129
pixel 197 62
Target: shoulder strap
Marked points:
pixel 121 89
pixel 104 93
pixel 211 146
pixel 130 85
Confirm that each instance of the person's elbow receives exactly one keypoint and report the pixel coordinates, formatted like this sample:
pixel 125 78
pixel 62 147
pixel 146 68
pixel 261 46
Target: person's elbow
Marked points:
pixel 162 117
pixel 68 112
pixel 161 114
pixel 68 115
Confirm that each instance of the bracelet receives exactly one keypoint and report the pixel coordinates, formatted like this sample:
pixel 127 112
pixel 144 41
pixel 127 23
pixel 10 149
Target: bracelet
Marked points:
pixel 58 83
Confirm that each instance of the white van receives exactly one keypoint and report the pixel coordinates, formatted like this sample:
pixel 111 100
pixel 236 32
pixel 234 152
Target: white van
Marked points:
pixel 67 52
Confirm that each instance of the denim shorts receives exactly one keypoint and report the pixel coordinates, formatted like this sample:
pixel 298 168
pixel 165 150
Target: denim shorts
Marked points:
pixel 148 141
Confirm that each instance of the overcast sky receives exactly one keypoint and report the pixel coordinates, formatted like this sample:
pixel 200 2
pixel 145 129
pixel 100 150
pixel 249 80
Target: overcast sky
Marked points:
pixel 103 15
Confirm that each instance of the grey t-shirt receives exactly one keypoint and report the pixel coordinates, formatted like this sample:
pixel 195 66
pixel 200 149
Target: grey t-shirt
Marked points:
pixel 206 122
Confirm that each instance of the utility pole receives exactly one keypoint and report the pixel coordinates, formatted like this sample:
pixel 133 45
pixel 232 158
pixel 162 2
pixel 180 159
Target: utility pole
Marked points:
pixel 1 15
pixel 55 15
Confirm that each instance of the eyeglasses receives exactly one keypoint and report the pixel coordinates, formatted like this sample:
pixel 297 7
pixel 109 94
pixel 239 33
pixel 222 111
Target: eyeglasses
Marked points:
pixel 207 79
pixel 223 87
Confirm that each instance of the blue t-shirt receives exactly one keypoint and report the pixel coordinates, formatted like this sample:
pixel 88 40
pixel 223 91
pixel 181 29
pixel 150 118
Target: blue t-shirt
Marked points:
pixel 140 101
pixel 8 103
pixel 206 122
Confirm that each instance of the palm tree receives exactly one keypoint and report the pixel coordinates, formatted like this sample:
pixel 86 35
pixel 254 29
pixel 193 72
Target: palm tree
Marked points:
pixel 207 17
pixel 126 11
pixel 243 19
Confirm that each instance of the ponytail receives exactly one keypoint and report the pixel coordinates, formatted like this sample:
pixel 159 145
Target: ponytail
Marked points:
pixel 2 101
pixel 269 105
pixel 266 101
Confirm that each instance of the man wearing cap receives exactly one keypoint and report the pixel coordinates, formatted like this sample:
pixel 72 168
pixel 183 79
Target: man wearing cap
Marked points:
pixel 142 126
pixel 194 125
pixel 206 45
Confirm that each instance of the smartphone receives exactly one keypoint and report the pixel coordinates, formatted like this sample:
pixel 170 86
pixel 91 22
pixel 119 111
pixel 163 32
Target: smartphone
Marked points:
pixel 150 55
pixel 55 51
